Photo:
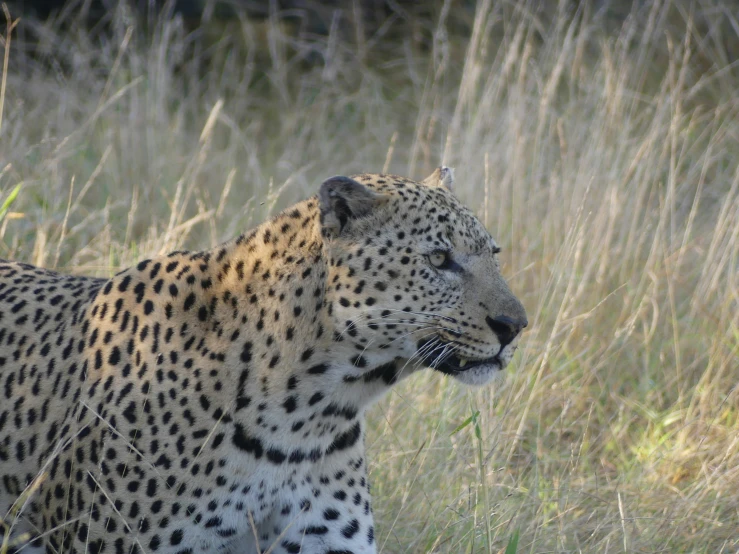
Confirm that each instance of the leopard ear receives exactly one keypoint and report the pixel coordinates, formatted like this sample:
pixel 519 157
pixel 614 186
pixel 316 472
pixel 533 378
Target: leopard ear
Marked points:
pixel 441 177
pixel 342 200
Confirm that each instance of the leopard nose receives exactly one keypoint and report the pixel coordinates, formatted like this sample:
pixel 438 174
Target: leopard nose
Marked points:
pixel 505 328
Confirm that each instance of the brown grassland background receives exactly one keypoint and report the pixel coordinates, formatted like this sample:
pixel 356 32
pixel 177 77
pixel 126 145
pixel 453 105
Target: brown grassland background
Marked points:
pixel 600 150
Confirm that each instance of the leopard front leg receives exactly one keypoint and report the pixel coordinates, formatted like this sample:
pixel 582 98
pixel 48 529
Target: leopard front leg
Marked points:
pixel 331 514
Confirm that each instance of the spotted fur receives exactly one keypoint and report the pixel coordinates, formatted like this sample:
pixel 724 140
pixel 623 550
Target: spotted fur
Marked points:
pixel 198 396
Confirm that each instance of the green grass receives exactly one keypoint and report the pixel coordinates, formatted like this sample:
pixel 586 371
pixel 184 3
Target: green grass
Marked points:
pixel 602 155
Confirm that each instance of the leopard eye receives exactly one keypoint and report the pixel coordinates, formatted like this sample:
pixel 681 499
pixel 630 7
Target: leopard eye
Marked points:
pixel 439 259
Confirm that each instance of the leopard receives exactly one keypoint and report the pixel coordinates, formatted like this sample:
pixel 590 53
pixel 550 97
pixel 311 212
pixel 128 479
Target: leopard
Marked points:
pixel 215 401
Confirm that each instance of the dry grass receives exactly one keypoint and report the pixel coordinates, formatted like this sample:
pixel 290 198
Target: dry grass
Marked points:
pixel 601 153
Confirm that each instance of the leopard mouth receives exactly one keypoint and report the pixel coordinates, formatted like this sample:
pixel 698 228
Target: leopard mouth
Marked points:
pixel 453 364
